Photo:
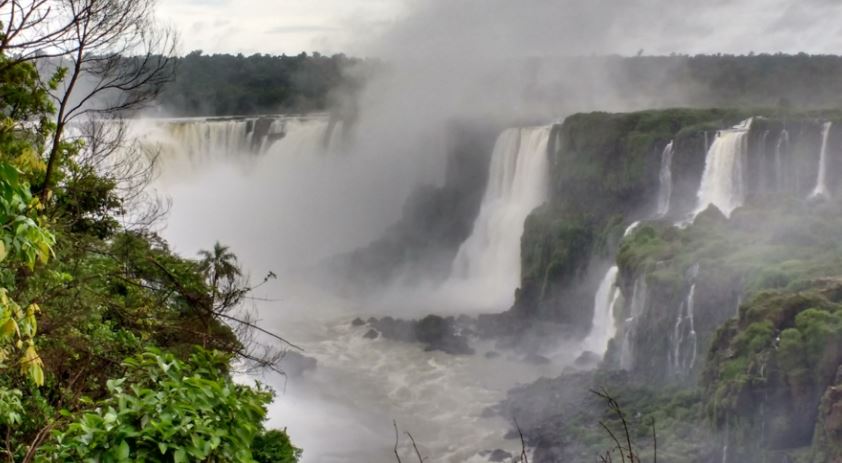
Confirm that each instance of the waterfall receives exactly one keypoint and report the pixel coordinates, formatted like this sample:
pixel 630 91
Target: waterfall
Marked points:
pixel 603 327
pixel 821 190
pixel 763 182
pixel 185 146
pixel 783 141
pixel 665 181
pixel 489 260
pixel 723 180
pixel 640 294
pixel 631 228
pixel 685 321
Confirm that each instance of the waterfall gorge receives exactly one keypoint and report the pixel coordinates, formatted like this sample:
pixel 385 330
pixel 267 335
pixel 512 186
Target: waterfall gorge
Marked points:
pixel 291 160
pixel 359 384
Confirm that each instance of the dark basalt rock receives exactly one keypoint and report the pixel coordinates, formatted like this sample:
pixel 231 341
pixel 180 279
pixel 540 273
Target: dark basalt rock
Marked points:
pixel 295 364
pixel 435 332
pixel 371 334
pixel 588 359
pixel 358 322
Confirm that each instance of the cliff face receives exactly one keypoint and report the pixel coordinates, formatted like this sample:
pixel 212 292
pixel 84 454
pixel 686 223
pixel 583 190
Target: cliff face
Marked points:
pixel 743 308
pixel 605 175
pixel 434 222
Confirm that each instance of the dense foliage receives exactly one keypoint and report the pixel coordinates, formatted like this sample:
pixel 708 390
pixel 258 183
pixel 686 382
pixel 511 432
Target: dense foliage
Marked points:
pixel 171 410
pixel 112 347
pixel 221 85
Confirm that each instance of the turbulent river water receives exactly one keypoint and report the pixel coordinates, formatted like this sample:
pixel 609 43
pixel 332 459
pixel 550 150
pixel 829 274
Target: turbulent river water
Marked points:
pixel 292 203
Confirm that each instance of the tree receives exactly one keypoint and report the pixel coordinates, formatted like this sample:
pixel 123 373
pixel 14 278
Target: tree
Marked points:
pixel 166 409
pixel 119 59
pixel 219 265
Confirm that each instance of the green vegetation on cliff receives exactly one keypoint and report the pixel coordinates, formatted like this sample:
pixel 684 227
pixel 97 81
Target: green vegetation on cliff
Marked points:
pixel 112 347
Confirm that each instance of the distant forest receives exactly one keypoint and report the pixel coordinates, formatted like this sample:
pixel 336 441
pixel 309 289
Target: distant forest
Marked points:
pixel 217 85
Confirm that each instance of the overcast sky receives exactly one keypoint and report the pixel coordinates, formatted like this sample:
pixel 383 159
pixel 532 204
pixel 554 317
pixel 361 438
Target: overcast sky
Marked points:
pixel 371 27
pixel 277 26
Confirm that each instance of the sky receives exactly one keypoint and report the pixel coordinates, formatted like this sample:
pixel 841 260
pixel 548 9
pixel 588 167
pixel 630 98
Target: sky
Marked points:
pixel 277 26
pixel 372 27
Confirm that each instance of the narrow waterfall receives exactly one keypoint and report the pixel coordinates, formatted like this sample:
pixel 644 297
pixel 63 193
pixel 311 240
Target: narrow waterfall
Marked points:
pixel 489 260
pixel 640 294
pixel 763 181
pixel 685 342
pixel 723 180
pixel 783 142
pixel 665 181
pixel 603 327
pixel 631 228
pixel 821 190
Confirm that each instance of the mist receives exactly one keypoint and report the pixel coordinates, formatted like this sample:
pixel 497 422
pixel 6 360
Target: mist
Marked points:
pixel 362 213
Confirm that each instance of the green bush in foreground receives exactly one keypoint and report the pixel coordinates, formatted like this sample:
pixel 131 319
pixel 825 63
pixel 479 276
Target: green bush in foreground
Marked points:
pixel 165 409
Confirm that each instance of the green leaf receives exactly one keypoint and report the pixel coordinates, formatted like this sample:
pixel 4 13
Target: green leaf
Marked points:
pixel 123 451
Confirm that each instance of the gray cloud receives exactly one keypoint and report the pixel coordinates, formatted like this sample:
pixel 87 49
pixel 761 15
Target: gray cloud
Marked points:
pixel 300 29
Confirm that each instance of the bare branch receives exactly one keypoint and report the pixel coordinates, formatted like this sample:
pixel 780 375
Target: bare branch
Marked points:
pixel 415 447
pixel 397 436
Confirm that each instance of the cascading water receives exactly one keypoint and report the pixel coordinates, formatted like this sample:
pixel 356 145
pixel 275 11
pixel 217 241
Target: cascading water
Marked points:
pixel 640 295
pixel 685 342
pixel 665 181
pixel 723 180
pixel 602 326
pixel 184 146
pixel 487 265
pixel 763 180
pixel 293 207
pixel 821 189
pixel 631 228
pixel 783 142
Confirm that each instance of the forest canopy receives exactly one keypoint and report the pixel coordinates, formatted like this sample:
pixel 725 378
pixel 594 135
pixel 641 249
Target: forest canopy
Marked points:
pixel 222 84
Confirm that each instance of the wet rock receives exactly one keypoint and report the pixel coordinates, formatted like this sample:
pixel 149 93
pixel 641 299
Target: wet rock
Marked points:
pixel 492 354
pixel 588 359
pixel 371 334
pixel 358 322
pixel 438 334
pixel 296 364
pixel 434 332
pixel 536 359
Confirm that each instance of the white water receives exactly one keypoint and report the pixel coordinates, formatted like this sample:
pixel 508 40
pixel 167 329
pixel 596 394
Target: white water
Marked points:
pixel 723 180
pixel 783 142
pixel 293 206
pixel 487 266
pixel 602 326
pixel 639 298
pixel 187 146
pixel 631 228
pixel 665 181
pixel 685 322
pixel 821 190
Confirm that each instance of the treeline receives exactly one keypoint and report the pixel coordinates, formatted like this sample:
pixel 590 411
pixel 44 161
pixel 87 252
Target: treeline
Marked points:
pixel 222 84
pixel 736 81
